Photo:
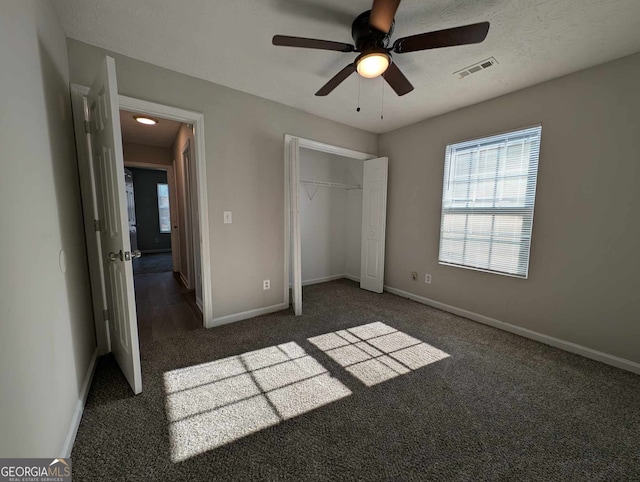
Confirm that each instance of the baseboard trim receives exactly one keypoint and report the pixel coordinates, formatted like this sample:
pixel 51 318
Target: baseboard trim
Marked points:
pixel 324 279
pixel 184 281
pixel 329 278
pixel 533 335
pixel 223 320
pixel 155 251
pixel 77 413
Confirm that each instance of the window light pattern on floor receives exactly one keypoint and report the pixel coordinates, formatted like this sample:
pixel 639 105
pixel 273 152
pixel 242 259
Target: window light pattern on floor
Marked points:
pixel 376 352
pixel 215 403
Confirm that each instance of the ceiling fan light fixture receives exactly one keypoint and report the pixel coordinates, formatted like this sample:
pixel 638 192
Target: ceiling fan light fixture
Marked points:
pixel 148 121
pixel 372 64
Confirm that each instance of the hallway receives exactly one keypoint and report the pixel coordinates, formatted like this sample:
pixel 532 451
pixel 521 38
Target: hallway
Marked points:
pixel 165 308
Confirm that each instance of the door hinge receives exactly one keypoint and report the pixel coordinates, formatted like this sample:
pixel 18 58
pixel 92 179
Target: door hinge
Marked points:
pixel 87 127
pixel 105 315
pixel 96 225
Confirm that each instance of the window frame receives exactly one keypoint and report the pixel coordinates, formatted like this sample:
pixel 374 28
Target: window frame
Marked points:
pixel 527 212
pixel 158 184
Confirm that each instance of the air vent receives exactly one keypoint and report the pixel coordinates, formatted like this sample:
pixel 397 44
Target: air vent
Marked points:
pixel 472 69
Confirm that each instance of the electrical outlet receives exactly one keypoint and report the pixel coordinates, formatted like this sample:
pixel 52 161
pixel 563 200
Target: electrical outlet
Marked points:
pixel 427 279
pixel 414 275
pixel 266 284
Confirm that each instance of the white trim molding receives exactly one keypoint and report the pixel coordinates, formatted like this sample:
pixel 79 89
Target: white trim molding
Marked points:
pixel 518 330
pixel 79 409
pixel 197 119
pixel 324 279
pixel 223 320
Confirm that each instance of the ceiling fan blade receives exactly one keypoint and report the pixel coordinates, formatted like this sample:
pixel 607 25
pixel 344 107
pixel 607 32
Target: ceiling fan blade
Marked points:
pixel 336 80
pixel 396 79
pixel 382 13
pixel 310 43
pixel 469 34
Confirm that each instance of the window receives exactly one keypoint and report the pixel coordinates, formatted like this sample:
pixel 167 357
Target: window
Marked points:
pixel 487 202
pixel 163 208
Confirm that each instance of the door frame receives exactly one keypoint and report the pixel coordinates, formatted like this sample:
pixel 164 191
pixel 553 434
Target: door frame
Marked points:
pixel 78 96
pixel 291 189
pixel 187 195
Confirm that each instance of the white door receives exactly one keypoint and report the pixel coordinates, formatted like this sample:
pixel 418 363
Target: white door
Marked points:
pixel 108 163
pixel 374 216
pixel 296 257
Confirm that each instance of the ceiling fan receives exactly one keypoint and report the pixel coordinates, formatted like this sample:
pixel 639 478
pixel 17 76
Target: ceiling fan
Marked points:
pixel 371 32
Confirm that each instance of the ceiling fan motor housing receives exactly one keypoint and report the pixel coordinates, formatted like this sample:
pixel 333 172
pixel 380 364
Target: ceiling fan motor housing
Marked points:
pixel 368 38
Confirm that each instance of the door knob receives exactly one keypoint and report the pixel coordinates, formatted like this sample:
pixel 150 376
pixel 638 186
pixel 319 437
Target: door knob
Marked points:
pixel 136 253
pixel 114 256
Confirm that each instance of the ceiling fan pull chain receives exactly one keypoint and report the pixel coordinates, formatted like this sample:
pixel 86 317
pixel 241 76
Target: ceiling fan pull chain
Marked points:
pixel 358 108
pixel 382 106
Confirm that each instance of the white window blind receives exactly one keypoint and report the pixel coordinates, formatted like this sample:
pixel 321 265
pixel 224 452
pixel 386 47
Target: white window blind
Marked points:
pixel 163 208
pixel 487 203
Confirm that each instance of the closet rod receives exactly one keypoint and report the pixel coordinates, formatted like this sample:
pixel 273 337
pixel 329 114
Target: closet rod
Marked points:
pixel 331 184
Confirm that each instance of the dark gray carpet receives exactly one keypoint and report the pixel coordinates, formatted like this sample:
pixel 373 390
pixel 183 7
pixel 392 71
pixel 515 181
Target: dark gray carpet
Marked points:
pixel 461 401
pixel 153 263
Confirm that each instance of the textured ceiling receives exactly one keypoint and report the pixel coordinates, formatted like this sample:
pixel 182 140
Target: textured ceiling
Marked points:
pixel 229 42
pixel 160 135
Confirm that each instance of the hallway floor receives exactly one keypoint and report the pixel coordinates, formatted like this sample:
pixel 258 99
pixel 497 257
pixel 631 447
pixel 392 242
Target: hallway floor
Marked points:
pixel 153 263
pixel 165 307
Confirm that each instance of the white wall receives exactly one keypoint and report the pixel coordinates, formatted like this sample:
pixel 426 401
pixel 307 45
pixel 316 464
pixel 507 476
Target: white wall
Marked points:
pixel 245 169
pixel 584 270
pixel 331 220
pixel 47 334
pixel 322 219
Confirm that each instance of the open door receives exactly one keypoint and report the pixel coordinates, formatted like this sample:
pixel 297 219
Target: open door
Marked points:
pixel 374 217
pixel 108 162
pixel 296 254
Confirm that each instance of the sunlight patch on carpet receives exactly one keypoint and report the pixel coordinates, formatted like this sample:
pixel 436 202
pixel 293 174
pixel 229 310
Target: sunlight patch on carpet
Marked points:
pixel 212 404
pixel 376 352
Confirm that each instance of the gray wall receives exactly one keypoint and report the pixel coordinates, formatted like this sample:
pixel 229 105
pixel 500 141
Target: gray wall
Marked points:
pixel 245 169
pixel 145 183
pixel 47 333
pixel 189 261
pixel 140 153
pixel 584 271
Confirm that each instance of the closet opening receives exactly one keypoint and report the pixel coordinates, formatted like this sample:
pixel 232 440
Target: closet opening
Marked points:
pixel 335 205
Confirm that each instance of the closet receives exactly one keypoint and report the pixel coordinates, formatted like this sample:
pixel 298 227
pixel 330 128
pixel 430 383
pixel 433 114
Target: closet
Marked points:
pixel 330 206
pixel 336 201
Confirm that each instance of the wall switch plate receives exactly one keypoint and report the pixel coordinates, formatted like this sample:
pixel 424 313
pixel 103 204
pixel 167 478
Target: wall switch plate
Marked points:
pixel 427 279
pixel 227 217
pixel 414 275
pixel 266 284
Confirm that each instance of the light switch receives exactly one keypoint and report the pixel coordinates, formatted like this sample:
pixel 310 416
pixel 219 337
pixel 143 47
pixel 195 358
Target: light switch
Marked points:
pixel 227 217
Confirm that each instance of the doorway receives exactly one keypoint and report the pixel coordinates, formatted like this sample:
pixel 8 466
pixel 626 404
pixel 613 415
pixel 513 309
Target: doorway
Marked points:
pixel 105 211
pixel 159 181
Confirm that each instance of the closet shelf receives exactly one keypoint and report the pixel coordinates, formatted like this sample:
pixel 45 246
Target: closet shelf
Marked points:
pixel 331 184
